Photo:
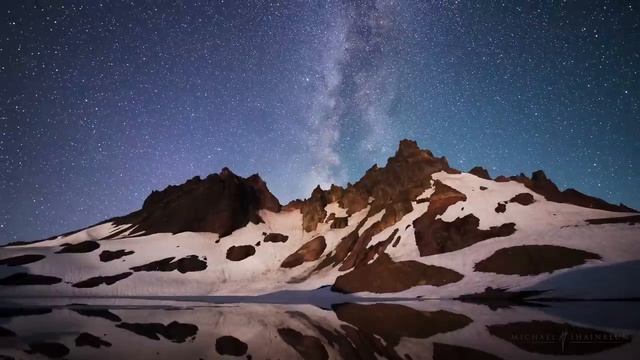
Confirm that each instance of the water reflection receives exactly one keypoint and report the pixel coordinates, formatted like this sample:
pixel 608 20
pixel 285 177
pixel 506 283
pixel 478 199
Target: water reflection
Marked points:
pixel 139 329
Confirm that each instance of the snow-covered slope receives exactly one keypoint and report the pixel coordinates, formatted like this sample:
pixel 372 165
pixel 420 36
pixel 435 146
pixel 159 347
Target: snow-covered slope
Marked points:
pixel 414 228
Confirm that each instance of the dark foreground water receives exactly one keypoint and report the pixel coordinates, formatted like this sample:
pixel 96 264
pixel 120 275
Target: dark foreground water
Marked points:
pixel 168 329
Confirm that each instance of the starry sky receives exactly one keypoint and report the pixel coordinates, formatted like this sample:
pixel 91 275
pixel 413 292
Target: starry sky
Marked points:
pixel 103 101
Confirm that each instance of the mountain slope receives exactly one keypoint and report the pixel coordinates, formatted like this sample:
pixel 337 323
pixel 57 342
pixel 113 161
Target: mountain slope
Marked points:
pixel 415 227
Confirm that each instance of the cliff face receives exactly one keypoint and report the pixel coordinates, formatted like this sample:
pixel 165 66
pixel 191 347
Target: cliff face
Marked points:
pixel 405 176
pixel 220 203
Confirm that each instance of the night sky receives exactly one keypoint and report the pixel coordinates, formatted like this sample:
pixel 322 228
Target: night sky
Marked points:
pixel 103 101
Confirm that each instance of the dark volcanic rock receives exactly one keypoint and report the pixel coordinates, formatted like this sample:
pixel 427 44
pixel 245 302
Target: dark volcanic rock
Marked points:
pixel 405 176
pixel 241 252
pixel 22 259
pixel 522 199
pixel 184 265
pixel 631 220
pixel 480 172
pixel 174 331
pixel 442 197
pixel 81 247
pixel 48 349
pixel 19 279
pixel 557 338
pixel 444 237
pixel 340 222
pixel 330 218
pixel 354 200
pixel 220 203
pixel 310 251
pixel 384 275
pixel 230 345
pixel 86 339
pixel 545 187
pixel 342 250
pixel 435 236
pixel 396 242
pixel 276 238
pixel 309 347
pixel 312 209
pixel 533 259
pixel 394 212
pixel 449 352
pixel 99 280
pixel 108 255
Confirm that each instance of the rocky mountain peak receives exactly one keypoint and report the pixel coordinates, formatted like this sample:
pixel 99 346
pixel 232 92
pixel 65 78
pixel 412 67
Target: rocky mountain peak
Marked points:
pixel 220 203
pixel 407 148
pixel 480 172
pixel 405 176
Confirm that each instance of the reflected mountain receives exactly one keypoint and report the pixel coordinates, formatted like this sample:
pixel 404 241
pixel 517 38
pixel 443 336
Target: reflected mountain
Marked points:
pixel 113 328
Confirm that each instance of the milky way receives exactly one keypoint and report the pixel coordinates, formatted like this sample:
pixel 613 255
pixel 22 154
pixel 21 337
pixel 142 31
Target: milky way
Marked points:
pixel 100 103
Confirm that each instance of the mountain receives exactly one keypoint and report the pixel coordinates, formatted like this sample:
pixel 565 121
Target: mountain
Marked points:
pixel 414 228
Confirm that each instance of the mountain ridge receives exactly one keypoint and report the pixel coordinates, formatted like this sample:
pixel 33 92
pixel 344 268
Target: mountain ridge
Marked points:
pixel 353 196
pixel 413 227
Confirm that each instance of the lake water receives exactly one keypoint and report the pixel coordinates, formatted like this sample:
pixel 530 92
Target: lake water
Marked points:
pixel 169 329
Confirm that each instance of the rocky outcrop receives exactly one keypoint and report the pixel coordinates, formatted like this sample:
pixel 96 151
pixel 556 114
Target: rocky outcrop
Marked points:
pixel 275 238
pixel 310 251
pixel 392 188
pixel 313 211
pixel 441 236
pixel 108 255
pixel 443 196
pixel 340 222
pixel 20 279
pixel 435 236
pixel 354 199
pixel 22 259
pixel 79 248
pixel 522 199
pixel 100 280
pixel 239 253
pixel 405 176
pixel 183 265
pixel 220 203
pixel 480 172
pixel 540 184
pixel 631 220
pixel 533 259
pixel 230 345
pixel 384 275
